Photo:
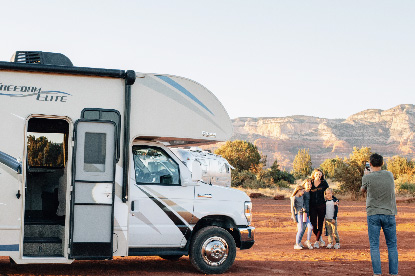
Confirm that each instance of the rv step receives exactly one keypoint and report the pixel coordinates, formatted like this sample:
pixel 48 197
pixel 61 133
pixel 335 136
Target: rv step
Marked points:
pixel 42 240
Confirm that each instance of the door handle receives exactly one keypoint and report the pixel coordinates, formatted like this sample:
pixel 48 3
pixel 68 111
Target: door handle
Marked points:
pixel 132 206
pixel 18 194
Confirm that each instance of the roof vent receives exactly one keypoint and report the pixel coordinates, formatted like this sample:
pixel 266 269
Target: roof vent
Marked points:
pixel 38 57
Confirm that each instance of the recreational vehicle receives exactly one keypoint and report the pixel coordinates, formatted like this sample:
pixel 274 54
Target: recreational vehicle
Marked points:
pixel 87 173
pixel 216 170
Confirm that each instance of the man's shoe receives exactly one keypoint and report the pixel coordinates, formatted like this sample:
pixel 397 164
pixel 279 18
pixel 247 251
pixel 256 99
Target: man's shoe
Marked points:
pixel 308 244
pixel 316 244
pixel 330 246
pixel 300 244
pixel 337 246
pixel 297 247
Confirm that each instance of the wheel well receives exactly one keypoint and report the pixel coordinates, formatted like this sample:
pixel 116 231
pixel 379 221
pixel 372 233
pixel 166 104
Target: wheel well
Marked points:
pixel 219 221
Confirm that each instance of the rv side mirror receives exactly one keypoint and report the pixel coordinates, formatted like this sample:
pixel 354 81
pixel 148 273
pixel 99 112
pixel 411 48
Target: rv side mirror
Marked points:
pixel 196 171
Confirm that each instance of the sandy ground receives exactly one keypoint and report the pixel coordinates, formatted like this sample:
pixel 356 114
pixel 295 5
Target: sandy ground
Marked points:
pixel 273 253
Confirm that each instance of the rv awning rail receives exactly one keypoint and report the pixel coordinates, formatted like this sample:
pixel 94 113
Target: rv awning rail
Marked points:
pixel 10 162
pixel 112 73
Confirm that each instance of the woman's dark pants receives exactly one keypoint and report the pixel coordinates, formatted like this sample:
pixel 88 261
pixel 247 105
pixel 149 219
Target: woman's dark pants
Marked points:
pixel 317 214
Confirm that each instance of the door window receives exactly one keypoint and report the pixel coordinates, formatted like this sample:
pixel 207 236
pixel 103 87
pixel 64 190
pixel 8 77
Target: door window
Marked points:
pixel 95 152
pixel 154 166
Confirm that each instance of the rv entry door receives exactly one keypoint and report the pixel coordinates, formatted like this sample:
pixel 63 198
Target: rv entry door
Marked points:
pixel 92 201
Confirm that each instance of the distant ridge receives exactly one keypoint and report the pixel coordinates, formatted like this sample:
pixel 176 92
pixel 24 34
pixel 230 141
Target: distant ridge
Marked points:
pixel 388 132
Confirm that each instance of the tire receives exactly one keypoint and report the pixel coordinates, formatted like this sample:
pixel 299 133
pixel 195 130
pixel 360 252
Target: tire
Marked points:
pixel 212 250
pixel 171 257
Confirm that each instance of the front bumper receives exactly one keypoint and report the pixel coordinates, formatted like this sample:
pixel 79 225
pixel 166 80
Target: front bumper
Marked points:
pixel 247 235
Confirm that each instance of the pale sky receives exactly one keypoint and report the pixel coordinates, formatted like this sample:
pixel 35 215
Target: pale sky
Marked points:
pixel 261 58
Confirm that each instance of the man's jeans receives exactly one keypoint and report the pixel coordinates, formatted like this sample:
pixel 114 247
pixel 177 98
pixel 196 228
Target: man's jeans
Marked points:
pixel 388 224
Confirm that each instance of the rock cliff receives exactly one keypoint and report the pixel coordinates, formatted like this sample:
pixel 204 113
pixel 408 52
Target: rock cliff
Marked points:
pixel 388 132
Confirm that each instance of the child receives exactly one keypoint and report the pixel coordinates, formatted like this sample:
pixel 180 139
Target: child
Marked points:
pixel 306 198
pixel 331 218
pixel 297 209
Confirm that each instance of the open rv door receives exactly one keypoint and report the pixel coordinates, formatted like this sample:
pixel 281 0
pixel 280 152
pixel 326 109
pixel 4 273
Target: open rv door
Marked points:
pixel 92 202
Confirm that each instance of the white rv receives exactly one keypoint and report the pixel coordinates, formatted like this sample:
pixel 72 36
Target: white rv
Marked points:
pixel 216 170
pixel 86 171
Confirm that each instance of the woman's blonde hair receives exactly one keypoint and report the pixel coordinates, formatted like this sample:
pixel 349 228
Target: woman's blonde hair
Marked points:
pixel 317 171
pixel 297 188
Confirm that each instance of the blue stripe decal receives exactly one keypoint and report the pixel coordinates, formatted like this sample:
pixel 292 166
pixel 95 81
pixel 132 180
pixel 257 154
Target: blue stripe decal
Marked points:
pixel 9 247
pixel 184 91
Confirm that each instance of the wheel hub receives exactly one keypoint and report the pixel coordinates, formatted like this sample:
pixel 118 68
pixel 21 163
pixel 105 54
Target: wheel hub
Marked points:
pixel 215 251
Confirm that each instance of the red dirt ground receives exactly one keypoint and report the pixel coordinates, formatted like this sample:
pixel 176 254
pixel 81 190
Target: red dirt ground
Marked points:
pixel 273 252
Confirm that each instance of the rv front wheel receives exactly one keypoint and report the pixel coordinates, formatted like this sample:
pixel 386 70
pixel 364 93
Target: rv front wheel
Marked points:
pixel 212 250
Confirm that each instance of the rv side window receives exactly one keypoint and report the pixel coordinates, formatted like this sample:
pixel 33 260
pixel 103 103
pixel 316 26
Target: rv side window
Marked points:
pixel 154 166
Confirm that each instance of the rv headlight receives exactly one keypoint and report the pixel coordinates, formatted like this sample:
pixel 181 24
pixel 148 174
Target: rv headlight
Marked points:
pixel 248 211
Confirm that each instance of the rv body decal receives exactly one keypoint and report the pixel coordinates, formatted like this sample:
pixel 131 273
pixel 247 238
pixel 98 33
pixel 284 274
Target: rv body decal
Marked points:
pixel 166 86
pixel 185 215
pixel 9 247
pixel 184 91
pixel 33 91
pixel 180 222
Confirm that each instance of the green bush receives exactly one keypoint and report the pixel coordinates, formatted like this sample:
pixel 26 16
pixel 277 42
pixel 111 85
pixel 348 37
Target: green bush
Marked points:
pixel 405 184
pixel 239 178
pixel 283 184
pixel 406 188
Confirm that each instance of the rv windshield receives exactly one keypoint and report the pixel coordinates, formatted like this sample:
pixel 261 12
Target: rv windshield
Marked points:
pixel 154 166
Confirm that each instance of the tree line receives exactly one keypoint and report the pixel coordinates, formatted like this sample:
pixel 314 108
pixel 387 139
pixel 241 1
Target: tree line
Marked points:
pixel 43 153
pixel 250 171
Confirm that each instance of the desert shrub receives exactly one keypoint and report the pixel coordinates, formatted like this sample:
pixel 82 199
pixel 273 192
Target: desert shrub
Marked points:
pixel 405 184
pixel 239 178
pixel 240 154
pixel 252 184
pixel 329 166
pixel 302 164
pixel 258 184
pixel 349 173
pixel 283 184
pixel 278 176
pixel 407 188
pixel 400 166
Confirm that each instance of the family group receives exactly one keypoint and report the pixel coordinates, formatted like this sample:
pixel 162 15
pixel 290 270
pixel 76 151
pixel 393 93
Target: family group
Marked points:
pixel 313 202
pixel 312 206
